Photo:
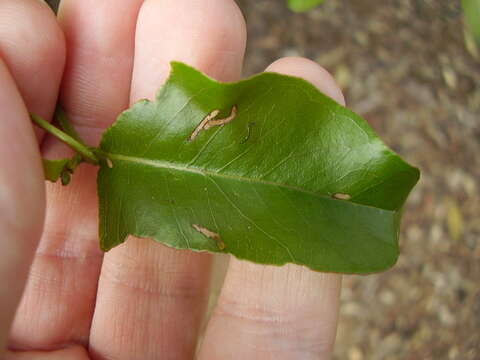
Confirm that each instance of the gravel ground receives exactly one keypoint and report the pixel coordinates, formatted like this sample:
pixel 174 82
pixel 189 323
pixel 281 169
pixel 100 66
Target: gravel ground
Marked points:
pixel 409 69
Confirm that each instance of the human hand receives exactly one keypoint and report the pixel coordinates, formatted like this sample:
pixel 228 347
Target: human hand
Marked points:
pixel 140 300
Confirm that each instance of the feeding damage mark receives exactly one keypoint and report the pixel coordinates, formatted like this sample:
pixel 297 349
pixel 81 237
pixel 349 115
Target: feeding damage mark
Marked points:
pixel 210 121
pixel 211 235
pixel 340 196
pixel 249 130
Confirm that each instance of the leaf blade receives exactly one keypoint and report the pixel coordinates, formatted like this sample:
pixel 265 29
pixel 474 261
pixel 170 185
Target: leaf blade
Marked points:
pixel 219 170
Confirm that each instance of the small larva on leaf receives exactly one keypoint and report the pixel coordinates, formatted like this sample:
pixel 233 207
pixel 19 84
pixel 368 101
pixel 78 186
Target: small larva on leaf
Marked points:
pixel 211 235
pixel 341 196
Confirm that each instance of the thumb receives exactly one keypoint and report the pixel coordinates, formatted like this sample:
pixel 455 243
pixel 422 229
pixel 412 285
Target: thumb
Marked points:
pixel 22 199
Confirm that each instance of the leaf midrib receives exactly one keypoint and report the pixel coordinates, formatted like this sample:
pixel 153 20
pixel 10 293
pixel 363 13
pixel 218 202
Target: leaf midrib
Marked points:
pixel 195 170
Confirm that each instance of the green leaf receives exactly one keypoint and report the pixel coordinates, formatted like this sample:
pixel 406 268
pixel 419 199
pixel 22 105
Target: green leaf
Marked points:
pixel 64 168
pixel 471 9
pixel 303 5
pixel 61 168
pixel 293 178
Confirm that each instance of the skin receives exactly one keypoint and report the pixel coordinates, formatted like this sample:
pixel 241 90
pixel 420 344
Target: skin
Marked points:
pixel 140 300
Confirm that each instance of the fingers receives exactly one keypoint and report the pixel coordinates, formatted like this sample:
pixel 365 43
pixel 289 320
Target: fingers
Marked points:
pixel 268 312
pixel 311 72
pixel 22 198
pixel 70 353
pixel 209 35
pixel 100 40
pixel 58 304
pixel 31 66
pixel 33 48
pixel 157 295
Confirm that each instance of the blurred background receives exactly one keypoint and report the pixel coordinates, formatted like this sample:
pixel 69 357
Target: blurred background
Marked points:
pixel 412 71
pixel 409 68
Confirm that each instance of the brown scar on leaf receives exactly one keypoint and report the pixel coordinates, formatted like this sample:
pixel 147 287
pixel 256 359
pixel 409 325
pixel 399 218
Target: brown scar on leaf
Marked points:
pixel 201 126
pixel 109 163
pixel 209 121
pixel 220 122
pixel 341 196
pixel 211 235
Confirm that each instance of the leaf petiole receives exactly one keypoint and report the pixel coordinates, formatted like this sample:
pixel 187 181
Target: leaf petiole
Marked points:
pixel 82 149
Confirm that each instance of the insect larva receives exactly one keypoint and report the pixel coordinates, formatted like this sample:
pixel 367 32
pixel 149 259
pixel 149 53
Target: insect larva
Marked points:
pixel 210 234
pixel 341 196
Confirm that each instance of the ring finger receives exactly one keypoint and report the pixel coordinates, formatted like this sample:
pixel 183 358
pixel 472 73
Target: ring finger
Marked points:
pixel 268 312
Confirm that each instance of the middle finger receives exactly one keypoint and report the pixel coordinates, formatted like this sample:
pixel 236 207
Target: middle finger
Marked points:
pixel 156 295
pixel 58 302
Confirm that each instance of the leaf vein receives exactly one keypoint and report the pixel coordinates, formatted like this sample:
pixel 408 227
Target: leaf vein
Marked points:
pixel 285 247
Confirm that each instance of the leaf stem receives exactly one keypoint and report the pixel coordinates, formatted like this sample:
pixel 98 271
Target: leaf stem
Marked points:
pixel 82 149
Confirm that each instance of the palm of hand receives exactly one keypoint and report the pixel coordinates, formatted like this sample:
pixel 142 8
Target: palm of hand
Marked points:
pixel 141 300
